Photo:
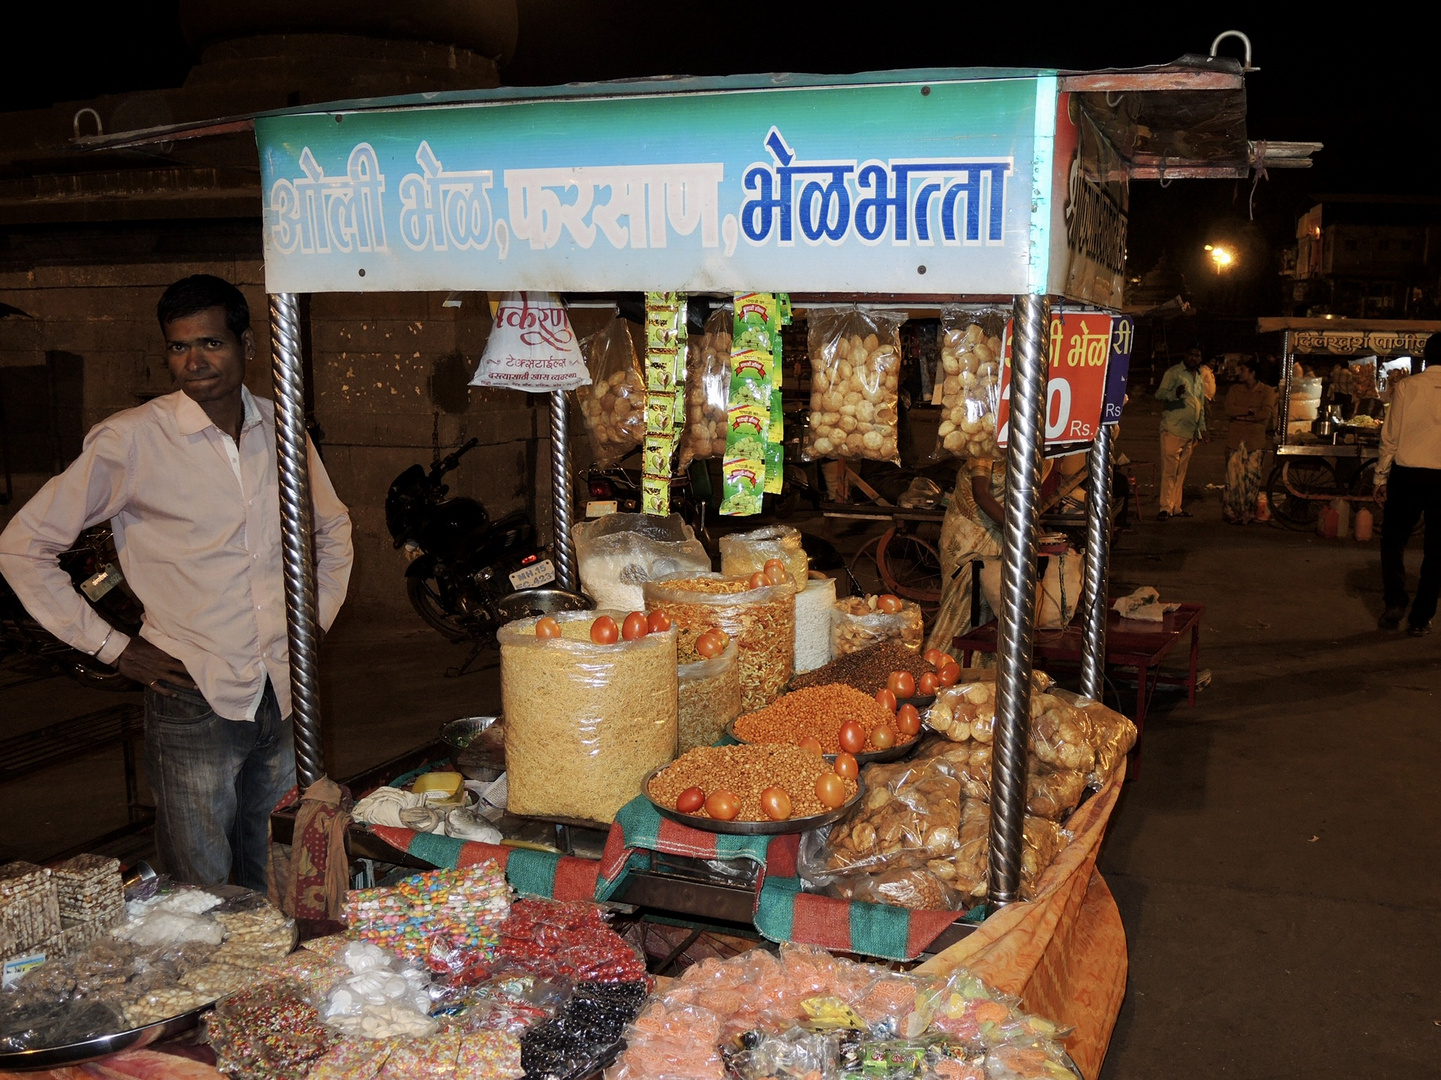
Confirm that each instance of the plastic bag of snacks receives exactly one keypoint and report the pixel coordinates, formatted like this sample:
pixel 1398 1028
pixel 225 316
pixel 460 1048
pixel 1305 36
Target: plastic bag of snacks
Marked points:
pixel 858 622
pixel 618 553
pixel 710 698
pixel 707 390
pixel 585 717
pixel 1111 735
pixel 760 618
pixel 855 379
pixel 813 622
pixel 743 554
pixel 967 870
pixel 908 817
pixel 1050 793
pixel 614 404
pixel 968 382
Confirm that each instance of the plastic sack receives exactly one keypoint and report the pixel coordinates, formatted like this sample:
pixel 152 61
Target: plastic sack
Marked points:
pixel 614 404
pixel 710 698
pixel 743 554
pixel 1111 735
pixel 1050 793
pixel 707 390
pixel 676 1042
pixel 813 623
pixel 968 382
pixel 855 377
pixel 857 623
pixel 531 346
pixel 617 554
pixel 381 998
pixel 1059 592
pixel 761 621
pixel 269 1031
pixel 584 722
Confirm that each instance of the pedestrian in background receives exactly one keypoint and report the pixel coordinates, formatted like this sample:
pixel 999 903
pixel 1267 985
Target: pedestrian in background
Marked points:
pixel 1250 405
pixel 1183 394
pixel 1408 485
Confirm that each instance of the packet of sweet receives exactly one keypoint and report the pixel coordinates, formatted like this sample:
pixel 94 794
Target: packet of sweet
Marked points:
pixel 664 403
pixel 776 440
pixel 743 471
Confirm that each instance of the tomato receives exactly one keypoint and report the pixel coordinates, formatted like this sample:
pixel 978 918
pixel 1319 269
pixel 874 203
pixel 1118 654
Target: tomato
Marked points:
pixel 776 572
pixel 759 580
pixel 886 698
pixel 847 766
pixel 776 802
pixel 831 790
pixel 547 627
pixel 933 657
pixel 949 675
pixel 902 684
pixel 812 744
pixel 635 626
pixel 908 720
pixel 658 622
pixel 930 681
pixel 853 737
pixel 722 805
pixel 883 736
pixel 604 631
pixel 690 800
pixel 889 603
pixel 945 658
pixel 709 645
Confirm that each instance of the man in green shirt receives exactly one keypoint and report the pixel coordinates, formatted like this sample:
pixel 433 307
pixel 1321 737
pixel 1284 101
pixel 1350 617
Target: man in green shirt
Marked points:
pixel 1182 394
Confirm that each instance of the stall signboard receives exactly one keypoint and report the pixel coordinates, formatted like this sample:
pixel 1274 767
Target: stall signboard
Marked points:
pixel 888 185
pixel 1089 208
pixel 1347 342
pixel 1081 344
pixel 1118 368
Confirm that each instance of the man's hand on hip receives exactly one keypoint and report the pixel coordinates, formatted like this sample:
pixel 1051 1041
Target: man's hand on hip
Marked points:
pixel 146 664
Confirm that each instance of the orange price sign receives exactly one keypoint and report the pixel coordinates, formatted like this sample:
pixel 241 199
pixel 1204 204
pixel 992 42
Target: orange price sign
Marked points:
pixel 1075 383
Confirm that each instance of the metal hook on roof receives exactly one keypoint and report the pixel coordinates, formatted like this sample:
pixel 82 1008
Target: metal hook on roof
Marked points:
pixel 1244 40
pixel 1113 102
pixel 75 123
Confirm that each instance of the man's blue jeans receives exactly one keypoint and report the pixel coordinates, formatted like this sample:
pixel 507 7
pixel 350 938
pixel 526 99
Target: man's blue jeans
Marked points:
pixel 215 783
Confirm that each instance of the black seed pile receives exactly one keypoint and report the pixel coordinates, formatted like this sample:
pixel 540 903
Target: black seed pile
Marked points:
pixel 584 1033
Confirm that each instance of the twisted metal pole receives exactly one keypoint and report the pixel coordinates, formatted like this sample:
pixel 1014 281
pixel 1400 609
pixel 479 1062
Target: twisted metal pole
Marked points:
pixel 1098 559
pixel 297 525
pixel 1030 359
pixel 560 491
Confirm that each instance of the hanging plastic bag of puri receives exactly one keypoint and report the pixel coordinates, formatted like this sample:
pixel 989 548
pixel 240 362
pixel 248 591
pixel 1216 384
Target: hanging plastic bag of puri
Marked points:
pixel 855 358
pixel 707 389
pixel 614 404
pixel 968 382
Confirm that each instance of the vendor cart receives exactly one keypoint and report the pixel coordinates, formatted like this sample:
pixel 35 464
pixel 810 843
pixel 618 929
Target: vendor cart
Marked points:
pixel 910 189
pixel 1328 451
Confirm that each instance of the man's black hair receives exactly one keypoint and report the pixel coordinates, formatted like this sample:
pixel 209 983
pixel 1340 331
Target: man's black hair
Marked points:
pixel 192 295
pixel 1433 350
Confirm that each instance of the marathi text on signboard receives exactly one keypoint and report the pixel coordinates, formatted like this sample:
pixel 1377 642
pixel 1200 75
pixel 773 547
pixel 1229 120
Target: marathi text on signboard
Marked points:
pixel 1075 381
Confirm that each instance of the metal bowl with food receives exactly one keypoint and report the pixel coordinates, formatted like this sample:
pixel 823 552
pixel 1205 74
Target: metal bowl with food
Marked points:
pixel 751 828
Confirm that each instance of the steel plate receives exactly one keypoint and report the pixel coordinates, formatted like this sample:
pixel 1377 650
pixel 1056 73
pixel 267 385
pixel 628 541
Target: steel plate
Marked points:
pixel 52 1057
pixel 865 757
pixel 751 828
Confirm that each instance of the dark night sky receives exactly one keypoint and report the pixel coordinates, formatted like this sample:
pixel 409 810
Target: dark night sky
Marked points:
pixel 1355 86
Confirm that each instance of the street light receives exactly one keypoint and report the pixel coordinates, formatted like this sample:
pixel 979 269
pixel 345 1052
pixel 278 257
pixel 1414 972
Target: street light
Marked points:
pixel 1221 256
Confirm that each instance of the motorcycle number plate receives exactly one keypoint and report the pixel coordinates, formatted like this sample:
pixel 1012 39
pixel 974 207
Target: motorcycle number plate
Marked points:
pixel 601 507
pixel 536 574
pixel 100 583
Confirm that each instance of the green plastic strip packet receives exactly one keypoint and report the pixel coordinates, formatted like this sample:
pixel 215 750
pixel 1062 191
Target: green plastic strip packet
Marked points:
pixel 748 412
pixel 664 357
pixel 776 440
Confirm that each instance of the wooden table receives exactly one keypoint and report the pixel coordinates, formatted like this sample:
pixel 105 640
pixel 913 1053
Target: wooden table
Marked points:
pixel 1136 643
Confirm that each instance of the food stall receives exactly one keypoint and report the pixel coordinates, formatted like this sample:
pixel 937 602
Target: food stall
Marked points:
pixel 902 189
pixel 1335 383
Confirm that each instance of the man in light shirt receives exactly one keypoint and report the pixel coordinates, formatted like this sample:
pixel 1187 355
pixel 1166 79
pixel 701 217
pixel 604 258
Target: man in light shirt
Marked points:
pixel 189 484
pixel 1408 485
pixel 1183 393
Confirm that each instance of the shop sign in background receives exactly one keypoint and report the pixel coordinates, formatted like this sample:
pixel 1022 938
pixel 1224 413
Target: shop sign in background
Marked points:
pixel 1118 368
pixel 908 188
pixel 1075 382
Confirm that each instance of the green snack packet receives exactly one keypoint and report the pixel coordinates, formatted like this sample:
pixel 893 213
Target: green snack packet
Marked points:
pixel 660 412
pixel 742 480
pixel 775 442
pixel 655 474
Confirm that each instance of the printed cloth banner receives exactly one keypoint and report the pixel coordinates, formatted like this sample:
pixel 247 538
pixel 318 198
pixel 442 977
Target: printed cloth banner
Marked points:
pixel 531 346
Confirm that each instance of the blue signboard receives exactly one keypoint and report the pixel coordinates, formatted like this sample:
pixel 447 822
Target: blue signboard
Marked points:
pixel 1118 370
pixel 895 187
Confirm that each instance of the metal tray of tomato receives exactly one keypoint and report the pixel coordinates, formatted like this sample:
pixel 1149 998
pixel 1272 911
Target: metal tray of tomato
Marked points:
pixel 751 828
pixel 865 757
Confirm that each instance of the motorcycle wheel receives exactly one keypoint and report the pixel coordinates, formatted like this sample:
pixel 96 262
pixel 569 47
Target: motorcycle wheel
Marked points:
pixel 425 597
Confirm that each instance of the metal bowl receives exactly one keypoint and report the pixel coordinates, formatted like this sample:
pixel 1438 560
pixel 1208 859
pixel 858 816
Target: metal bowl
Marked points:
pixel 528 603
pixel 865 757
pixel 751 828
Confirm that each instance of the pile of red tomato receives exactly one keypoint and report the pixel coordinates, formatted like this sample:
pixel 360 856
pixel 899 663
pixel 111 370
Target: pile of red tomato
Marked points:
pixel 605 630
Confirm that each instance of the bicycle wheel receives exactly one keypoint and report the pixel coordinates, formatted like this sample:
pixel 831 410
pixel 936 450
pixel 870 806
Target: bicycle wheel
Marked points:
pixel 863 569
pixel 910 567
pixel 1289 486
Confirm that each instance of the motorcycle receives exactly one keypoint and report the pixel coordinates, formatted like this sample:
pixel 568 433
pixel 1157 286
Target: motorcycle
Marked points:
pixel 460 563
pixel 93 567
